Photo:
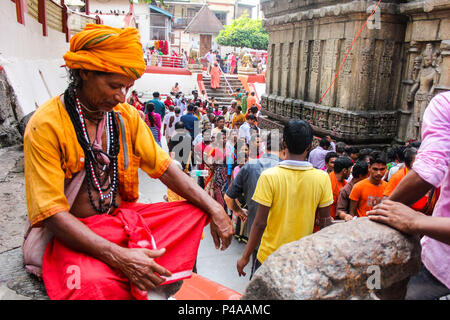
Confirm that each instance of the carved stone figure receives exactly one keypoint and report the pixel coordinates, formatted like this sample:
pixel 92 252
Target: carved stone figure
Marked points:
pixel 154 59
pixel 246 61
pixel 416 67
pixel 194 56
pixel 422 90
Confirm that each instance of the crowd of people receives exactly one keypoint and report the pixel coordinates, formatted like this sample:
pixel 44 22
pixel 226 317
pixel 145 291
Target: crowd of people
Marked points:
pixel 229 63
pixel 259 178
pixel 230 157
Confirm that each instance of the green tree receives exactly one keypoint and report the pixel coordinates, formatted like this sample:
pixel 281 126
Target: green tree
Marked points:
pixel 244 32
pixel 154 2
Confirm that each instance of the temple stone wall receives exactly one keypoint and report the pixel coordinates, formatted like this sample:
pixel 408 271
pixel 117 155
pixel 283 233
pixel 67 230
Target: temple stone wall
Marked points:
pixel 368 103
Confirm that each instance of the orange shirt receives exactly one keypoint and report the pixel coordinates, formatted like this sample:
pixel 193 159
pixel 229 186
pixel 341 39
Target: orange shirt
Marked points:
pixel 251 101
pixel 53 154
pixel 393 183
pixel 336 187
pixel 395 180
pixel 367 195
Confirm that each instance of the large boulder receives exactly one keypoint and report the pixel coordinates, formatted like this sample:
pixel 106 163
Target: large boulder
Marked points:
pixel 359 259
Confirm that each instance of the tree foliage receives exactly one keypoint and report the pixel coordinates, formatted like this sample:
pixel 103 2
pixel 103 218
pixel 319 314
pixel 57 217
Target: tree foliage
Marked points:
pixel 244 32
pixel 154 2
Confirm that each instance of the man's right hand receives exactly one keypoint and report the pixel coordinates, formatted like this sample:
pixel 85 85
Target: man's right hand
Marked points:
pixel 138 265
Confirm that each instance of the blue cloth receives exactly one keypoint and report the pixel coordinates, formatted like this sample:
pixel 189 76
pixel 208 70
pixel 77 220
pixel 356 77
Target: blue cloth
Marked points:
pixel 160 107
pixel 189 121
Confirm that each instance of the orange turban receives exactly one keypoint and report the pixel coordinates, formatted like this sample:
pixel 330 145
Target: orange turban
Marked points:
pixel 107 49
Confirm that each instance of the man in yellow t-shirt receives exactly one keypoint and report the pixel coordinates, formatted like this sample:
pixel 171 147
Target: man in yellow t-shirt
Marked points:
pixel 288 196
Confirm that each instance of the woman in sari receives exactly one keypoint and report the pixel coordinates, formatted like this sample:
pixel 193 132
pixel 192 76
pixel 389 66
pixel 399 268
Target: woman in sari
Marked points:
pixel 215 161
pixel 215 76
pixel 153 120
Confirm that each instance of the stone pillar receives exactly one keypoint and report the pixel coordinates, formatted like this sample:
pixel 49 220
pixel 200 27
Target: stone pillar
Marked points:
pixel 444 83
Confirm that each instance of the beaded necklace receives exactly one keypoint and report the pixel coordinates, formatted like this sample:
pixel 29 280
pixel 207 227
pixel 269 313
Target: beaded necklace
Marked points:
pixel 97 162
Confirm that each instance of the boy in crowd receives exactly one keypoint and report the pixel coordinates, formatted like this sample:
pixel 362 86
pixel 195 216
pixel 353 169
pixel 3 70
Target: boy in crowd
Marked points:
pixel 341 172
pixel 360 171
pixel 330 158
pixel 288 197
pixel 369 192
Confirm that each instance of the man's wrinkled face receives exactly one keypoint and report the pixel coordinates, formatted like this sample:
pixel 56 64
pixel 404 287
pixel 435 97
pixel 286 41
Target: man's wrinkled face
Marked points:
pixel 377 171
pixel 104 91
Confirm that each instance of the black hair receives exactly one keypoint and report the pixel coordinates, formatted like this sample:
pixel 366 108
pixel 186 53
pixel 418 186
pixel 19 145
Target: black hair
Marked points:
pixel 298 136
pixel 155 94
pixel 377 157
pixel 324 143
pixel 401 153
pixel 177 110
pixel 361 168
pixel 351 150
pixel 340 147
pixel 190 107
pixel 269 141
pixel 363 153
pixel 342 163
pixel 330 155
pixel 179 125
pixel 254 109
pixel 149 108
pixel 251 117
pixel 220 118
pixel 239 108
pixel 415 144
pixel 392 154
pixel 410 153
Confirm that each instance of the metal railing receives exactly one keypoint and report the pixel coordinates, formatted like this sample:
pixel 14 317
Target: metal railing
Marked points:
pixel 226 80
pixel 166 61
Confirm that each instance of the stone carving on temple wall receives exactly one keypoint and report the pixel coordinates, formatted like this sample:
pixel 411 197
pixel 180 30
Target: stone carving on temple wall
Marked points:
pixel 425 81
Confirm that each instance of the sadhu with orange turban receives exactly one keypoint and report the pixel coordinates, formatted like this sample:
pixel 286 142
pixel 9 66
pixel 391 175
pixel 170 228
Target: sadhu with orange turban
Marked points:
pixel 82 151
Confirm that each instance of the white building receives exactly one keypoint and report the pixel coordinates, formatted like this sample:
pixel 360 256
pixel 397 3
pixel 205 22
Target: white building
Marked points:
pixel 153 23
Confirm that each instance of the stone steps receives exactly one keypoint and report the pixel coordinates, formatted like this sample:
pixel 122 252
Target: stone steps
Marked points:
pixel 222 94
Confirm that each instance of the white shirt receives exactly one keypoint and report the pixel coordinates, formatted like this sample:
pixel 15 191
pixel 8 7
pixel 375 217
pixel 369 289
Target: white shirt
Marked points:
pixel 209 57
pixel 244 132
pixel 170 130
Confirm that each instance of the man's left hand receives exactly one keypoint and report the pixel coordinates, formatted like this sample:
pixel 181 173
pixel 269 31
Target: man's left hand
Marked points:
pixel 396 215
pixel 221 230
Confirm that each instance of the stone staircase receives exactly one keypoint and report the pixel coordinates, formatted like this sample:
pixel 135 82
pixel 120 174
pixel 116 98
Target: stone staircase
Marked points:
pixel 222 94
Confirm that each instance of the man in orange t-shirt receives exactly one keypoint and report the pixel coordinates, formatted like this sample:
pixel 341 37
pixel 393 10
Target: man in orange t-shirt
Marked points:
pixel 401 173
pixel 410 157
pixel 341 172
pixel 369 192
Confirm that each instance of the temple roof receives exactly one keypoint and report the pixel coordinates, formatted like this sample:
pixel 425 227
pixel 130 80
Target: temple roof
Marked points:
pixel 204 22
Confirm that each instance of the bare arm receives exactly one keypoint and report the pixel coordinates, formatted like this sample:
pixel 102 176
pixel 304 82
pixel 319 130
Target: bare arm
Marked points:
pixel 257 230
pixel 221 227
pixel 407 220
pixel 410 189
pixel 234 206
pixel 324 217
pixel 353 206
pixel 136 264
